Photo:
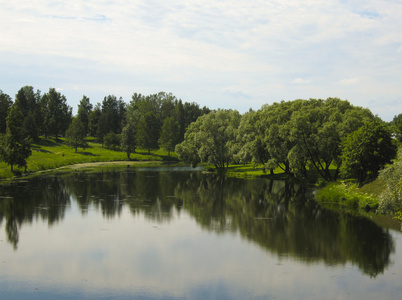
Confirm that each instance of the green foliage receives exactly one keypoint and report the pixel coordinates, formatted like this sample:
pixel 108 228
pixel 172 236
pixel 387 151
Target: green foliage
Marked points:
pixel 396 126
pixel 148 132
pixel 84 111
pixel 111 118
pixel 301 137
pixel 93 119
pixel 56 113
pixel 398 216
pixel 112 140
pixel 164 105
pixel 5 105
pixel 14 147
pixel 30 107
pixel 128 140
pixel 210 139
pixel 346 195
pixel 391 198
pixel 366 151
pixel 75 135
pixel 169 134
pixel 49 153
pixel 250 140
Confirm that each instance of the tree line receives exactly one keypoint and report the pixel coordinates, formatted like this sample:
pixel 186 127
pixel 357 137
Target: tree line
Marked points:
pixel 303 138
pixel 327 138
pixel 147 122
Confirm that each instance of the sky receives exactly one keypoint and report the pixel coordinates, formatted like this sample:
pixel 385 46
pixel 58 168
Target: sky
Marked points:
pixel 237 54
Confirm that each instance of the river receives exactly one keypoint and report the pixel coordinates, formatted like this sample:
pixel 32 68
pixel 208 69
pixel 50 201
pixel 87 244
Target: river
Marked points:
pixel 178 234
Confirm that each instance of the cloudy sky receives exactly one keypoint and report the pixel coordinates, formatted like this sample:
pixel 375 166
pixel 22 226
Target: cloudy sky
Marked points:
pixel 236 54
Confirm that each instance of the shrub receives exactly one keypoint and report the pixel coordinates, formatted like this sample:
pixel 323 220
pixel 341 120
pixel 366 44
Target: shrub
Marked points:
pixel 112 141
pixel 391 198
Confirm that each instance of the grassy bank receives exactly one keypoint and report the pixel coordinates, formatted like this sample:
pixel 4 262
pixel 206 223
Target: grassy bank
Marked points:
pixel 341 195
pixel 347 195
pixel 50 154
pixel 250 171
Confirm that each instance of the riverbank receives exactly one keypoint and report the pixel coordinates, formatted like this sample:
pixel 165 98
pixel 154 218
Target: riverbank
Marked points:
pixel 53 154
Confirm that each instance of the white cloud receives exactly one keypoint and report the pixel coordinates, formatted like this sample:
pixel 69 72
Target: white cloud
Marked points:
pixel 184 46
pixel 349 81
pixel 301 81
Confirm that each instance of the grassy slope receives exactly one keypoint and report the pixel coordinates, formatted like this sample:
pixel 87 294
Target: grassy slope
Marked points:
pixel 50 154
pixel 337 193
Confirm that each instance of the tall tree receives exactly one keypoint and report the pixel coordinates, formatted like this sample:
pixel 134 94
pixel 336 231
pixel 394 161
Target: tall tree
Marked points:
pixel 169 134
pixel 250 140
pixel 15 148
pixel 128 139
pixel 148 132
pixel 93 119
pixel 396 126
pixel 75 134
pixel 112 118
pixel 56 112
pixel 318 127
pixel 29 103
pixel 5 105
pixel 179 114
pixel 84 111
pixel 301 135
pixel 366 151
pixel 210 139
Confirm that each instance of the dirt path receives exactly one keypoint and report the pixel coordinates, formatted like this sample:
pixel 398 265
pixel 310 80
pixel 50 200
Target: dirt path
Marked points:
pixel 107 163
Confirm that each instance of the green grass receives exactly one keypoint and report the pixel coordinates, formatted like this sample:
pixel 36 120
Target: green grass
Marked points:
pixel 251 171
pixel 50 153
pixel 347 195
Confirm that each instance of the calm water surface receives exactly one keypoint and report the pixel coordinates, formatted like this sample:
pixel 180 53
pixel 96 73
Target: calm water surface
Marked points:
pixel 185 235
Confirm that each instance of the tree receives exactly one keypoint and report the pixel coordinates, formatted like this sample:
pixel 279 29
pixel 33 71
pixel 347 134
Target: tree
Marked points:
pixel 112 140
pixel 84 111
pixel 112 117
pixel 210 139
pixel 128 141
pixel 250 139
pixel 56 113
pixel 317 128
pixel 299 136
pixel 5 105
pixel 391 197
pixel 29 104
pixel 366 151
pixel 75 135
pixel 102 128
pixel 148 132
pixel 169 134
pixel 14 147
pixel 93 119
pixel 396 126
pixel 274 126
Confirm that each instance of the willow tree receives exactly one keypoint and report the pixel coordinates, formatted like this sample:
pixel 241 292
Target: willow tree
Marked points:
pixel 300 136
pixel 250 139
pixel 211 139
pixel 366 151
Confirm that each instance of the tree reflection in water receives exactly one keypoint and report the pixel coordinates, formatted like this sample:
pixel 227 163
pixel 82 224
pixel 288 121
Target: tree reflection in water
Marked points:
pixel 279 216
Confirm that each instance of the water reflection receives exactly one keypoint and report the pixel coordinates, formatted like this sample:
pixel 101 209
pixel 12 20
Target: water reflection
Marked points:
pixel 278 216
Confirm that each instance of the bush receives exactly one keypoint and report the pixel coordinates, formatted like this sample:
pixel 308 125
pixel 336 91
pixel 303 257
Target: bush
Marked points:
pixel 112 141
pixel 346 194
pixel 391 198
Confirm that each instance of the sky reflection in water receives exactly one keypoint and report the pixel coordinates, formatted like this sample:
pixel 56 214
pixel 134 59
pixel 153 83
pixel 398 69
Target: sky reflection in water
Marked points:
pixel 140 235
